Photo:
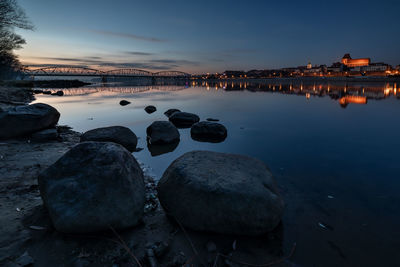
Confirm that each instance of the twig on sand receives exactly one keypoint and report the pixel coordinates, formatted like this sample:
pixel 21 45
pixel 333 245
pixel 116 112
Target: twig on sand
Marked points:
pixel 256 265
pixel 125 246
pixel 190 241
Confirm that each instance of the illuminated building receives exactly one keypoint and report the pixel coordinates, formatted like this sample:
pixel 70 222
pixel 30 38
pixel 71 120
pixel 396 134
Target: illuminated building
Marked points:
pixel 357 62
pixel 344 101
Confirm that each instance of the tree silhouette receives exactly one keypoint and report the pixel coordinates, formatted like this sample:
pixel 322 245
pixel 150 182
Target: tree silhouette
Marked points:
pixel 11 16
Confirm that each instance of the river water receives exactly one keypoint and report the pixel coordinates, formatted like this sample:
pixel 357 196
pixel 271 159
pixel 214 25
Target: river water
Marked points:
pixel 334 149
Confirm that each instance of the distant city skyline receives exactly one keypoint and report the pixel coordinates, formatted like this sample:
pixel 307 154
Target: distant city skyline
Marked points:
pixel 205 36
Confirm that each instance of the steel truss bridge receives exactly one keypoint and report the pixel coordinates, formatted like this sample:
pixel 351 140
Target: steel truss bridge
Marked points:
pixel 81 71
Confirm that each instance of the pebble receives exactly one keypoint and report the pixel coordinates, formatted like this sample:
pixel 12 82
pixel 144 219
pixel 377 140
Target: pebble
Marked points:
pixel 25 259
pixel 211 247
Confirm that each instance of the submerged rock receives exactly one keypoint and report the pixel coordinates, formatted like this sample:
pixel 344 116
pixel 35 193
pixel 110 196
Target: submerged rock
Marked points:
pixel 58 93
pixel 117 134
pixel 124 102
pixel 171 111
pixel 150 109
pixel 162 132
pixel 94 186
pixel 24 120
pixel 206 131
pixel 221 193
pixel 183 119
pixel 212 119
pixel 45 135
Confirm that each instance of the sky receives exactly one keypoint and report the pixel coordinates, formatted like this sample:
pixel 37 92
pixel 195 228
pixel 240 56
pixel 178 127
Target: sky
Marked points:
pixel 208 36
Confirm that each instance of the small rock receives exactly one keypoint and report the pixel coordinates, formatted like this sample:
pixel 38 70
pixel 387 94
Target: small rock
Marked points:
pixel 37 91
pixel 124 102
pixel 183 119
pixel 206 131
pixel 117 134
pixel 150 109
pixel 178 260
pixel 211 247
pixel 47 92
pixel 160 248
pixel 58 93
pixel 25 260
pixel 162 132
pixel 171 111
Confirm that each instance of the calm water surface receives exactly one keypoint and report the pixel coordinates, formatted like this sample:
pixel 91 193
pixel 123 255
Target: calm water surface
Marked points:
pixel 333 148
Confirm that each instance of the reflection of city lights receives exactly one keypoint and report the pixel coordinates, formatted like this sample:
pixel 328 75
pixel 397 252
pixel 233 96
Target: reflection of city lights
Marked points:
pixel 308 95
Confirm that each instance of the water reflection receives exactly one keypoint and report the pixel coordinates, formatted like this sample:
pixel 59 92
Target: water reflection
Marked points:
pixel 344 93
pixel 157 150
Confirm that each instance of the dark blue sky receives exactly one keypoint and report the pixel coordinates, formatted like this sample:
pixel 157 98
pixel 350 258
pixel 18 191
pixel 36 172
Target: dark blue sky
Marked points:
pixel 209 36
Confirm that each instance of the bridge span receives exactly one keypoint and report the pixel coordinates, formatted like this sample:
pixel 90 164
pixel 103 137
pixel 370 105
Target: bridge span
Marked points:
pixel 87 72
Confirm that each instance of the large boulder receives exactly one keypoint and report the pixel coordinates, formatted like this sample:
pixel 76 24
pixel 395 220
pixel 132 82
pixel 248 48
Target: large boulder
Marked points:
pixel 207 131
pixel 117 134
pixel 183 119
pixel 24 120
pixel 221 193
pixel 162 132
pixel 94 186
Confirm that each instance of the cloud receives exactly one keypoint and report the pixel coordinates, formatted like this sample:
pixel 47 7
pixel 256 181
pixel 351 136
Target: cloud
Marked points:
pixel 92 62
pixel 174 61
pixel 137 53
pixel 129 36
pixel 137 65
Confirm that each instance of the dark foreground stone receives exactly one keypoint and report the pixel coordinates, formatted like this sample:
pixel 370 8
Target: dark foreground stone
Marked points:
pixel 45 135
pixel 117 134
pixel 222 193
pixel 171 111
pixel 24 120
pixel 124 102
pixel 150 109
pixel 206 131
pixel 162 132
pixel 94 186
pixel 183 119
